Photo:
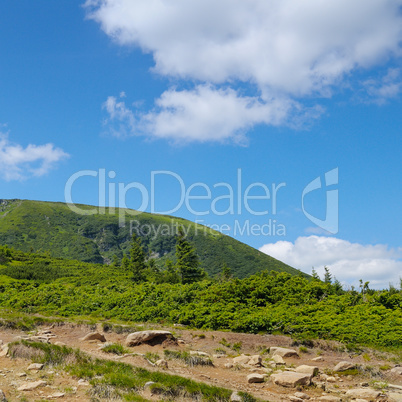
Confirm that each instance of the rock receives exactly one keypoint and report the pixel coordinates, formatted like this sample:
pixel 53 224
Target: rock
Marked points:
pixel 35 366
pixel 181 342
pixel 56 395
pixel 278 359
pixel 2 396
pixel 393 397
pixel 242 359
pixel 21 374
pixel 397 370
pixel 228 365
pixel 283 352
pixel 42 339
pixel 302 395
pixel 198 353
pixel 60 343
pixel 162 363
pixel 317 359
pixel 331 379
pixel 29 386
pixel 330 398
pixel 312 370
pixel 83 383
pixel 148 384
pixel 291 379
pixel 295 399
pixel 255 378
pixel 4 350
pixel 363 393
pixel 136 338
pixel 235 397
pixel 255 360
pixel 94 336
pixel 342 366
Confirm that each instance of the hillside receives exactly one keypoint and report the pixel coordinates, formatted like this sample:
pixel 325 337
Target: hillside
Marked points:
pixel 53 227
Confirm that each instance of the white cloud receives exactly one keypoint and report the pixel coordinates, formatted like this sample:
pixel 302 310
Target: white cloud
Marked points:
pixel 284 48
pixel 387 87
pixel 17 163
pixel 202 114
pixel 347 261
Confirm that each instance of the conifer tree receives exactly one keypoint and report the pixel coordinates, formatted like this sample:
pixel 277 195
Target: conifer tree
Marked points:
pixel 137 259
pixel 327 275
pixel 188 265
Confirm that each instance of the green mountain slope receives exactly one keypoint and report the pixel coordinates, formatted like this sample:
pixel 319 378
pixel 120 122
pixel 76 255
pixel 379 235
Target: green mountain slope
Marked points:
pixel 53 227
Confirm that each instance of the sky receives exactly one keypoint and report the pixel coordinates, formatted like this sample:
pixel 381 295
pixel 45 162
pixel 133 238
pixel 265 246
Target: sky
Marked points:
pixel 277 122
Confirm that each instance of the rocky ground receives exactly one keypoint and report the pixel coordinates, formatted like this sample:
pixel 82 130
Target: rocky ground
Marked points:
pixel 271 368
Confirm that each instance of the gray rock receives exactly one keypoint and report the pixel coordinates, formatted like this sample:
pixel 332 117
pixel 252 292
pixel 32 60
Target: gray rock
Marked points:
pixel 291 379
pixel 363 393
pixel 302 395
pixel 94 336
pixel 278 359
pixel 397 370
pixel 235 397
pixel 242 359
pixel 312 370
pixel 255 360
pixel 343 366
pixel 255 378
pixel 35 366
pixel 29 386
pixel 162 363
pixel 136 338
pixel 283 352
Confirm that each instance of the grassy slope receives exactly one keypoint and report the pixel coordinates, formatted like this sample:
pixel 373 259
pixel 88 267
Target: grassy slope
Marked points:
pixel 48 226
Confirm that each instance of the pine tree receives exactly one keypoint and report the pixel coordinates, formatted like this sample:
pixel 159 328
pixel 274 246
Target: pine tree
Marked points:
pixel 137 259
pixel 188 265
pixel 125 263
pixel 327 275
pixel 226 272
pixel 171 275
pixel 314 274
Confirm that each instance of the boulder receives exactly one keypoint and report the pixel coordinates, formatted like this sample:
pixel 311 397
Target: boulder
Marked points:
pixel 228 365
pixel 29 386
pixel 94 336
pixel 242 359
pixel 56 395
pixel 162 363
pixel 235 397
pixel 312 370
pixel 198 353
pixel 397 370
pixel 366 393
pixel 254 377
pixel 136 338
pixel 302 395
pixel 283 352
pixel 291 379
pixel 278 359
pixel 343 366
pixel 317 359
pixel 393 396
pixel 35 366
pixel 255 360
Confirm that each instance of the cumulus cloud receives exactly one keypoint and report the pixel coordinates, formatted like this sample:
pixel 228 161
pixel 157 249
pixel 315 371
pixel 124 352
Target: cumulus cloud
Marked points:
pixel 347 261
pixel 283 48
pixel 202 114
pixel 18 163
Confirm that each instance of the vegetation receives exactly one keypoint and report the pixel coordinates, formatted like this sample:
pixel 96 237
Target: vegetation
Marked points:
pixel 98 238
pixel 268 302
pixel 115 380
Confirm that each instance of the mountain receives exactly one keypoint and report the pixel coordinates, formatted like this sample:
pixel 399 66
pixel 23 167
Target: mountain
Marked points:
pixel 97 237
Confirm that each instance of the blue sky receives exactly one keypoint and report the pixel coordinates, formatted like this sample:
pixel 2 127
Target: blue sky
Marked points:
pixel 280 92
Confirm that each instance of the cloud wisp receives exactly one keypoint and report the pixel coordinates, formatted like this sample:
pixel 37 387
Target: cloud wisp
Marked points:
pixel 19 163
pixel 286 50
pixel 347 261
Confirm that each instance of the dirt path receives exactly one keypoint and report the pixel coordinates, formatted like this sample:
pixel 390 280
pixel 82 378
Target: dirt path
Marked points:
pixel 219 345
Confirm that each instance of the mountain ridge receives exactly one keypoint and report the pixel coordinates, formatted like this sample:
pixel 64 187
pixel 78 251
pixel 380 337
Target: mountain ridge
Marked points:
pixel 30 225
